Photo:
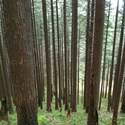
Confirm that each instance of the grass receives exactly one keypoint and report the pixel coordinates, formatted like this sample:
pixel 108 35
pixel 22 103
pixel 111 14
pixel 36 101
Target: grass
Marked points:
pixel 79 118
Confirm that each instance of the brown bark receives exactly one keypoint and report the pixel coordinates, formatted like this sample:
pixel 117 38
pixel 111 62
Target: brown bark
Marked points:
pixel 120 68
pixel 37 70
pixel 87 54
pixel 48 57
pixel 96 62
pixel 104 57
pixel 107 80
pixel 89 39
pixel 119 57
pixel 123 99
pixel 65 51
pixel 54 56
pixel 59 55
pixel 74 53
pixel 19 40
pixel 113 56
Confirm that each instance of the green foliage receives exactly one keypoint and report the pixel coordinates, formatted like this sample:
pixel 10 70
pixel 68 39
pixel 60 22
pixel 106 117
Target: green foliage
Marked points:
pixel 42 120
pixel 79 118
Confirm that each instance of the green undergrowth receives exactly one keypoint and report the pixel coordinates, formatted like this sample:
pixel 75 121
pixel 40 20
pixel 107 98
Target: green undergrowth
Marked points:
pixel 78 118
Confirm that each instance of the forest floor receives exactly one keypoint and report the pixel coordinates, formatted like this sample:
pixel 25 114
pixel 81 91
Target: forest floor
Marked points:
pixel 79 118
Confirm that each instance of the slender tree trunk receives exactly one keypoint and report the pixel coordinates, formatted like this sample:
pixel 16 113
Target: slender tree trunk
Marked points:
pixel 104 59
pixel 123 99
pixel 107 80
pixel 65 48
pixel 59 55
pixel 36 59
pixel 48 56
pixel 88 53
pixel 119 57
pixel 113 56
pixel 78 64
pixel 88 56
pixel 54 55
pixel 120 68
pixel 96 62
pixel 74 52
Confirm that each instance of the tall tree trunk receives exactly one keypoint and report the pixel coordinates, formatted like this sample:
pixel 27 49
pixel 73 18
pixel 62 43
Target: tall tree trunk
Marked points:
pixel 96 62
pixel 19 40
pixel 119 72
pixel 36 59
pixel 65 48
pixel 113 56
pixel 59 55
pixel 54 55
pixel 104 58
pixel 119 57
pixel 48 56
pixel 74 52
pixel 87 54
pixel 89 39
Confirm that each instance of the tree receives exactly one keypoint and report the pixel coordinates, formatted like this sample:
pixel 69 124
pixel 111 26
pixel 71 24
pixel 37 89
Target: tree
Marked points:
pixel 54 55
pixel 123 99
pixel 119 72
pixel 107 80
pixel 88 53
pixel 59 54
pixel 96 62
pixel 74 53
pixel 65 48
pixel 48 58
pixel 119 58
pixel 105 54
pixel 18 27
pixel 113 56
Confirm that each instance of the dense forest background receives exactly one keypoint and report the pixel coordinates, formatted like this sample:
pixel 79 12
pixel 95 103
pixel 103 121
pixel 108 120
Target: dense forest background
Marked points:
pixel 62 62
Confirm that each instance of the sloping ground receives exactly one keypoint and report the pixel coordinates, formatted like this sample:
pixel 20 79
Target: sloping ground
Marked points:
pixel 79 118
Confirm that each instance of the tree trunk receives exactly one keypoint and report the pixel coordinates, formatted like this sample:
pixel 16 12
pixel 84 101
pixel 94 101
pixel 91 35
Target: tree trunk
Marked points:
pixel 48 57
pixel 89 38
pixel 87 53
pixel 65 48
pixel 104 59
pixel 107 80
pixel 19 40
pixel 123 99
pixel 96 62
pixel 120 67
pixel 59 56
pixel 74 52
pixel 119 57
pixel 112 63
pixel 54 56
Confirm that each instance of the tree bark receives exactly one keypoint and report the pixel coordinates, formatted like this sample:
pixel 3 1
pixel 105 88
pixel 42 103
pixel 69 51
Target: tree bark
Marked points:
pixel 19 40
pixel 123 99
pixel 104 59
pixel 113 56
pixel 54 55
pixel 74 52
pixel 119 72
pixel 87 54
pixel 65 49
pixel 48 57
pixel 96 62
